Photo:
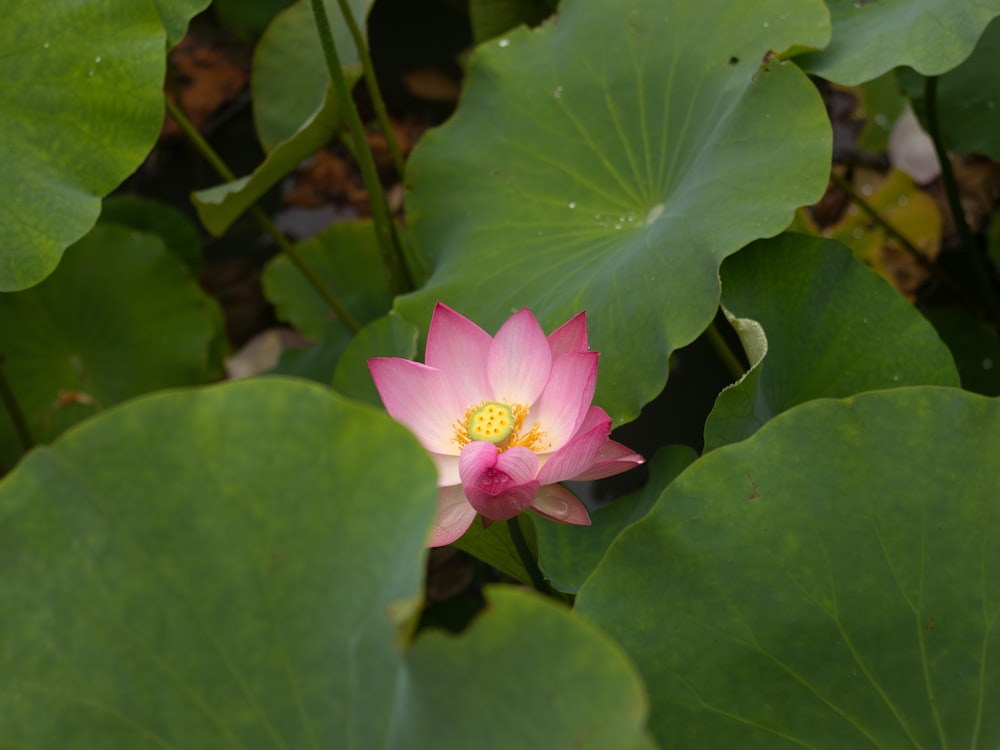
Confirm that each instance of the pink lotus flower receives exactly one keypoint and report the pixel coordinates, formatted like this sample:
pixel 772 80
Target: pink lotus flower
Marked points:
pixel 504 418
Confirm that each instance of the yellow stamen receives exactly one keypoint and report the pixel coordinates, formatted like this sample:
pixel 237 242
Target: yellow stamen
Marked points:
pixel 499 424
pixel 530 438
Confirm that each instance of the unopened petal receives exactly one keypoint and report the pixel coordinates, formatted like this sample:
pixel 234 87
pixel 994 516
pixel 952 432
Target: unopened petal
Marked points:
pixel 614 458
pixel 518 463
pixel 519 360
pixel 504 505
pixel 563 404
pixel 454 516
pixel 479 457
pixel 559 504
pixel 580 453
pixel 459 347
pixel 498 485
pixel 420 397
pixel 476 458
pixel 570 337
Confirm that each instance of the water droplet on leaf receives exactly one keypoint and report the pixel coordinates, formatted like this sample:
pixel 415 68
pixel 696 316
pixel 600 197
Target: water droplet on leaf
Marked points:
pixel 654 213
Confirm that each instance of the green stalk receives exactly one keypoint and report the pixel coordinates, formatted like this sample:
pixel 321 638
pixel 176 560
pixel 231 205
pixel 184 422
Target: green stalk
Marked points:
pixel 527 558
pixel 181 118
pixel 263 220
pixel 874 215
pixel 980 267
pixel 14 410
pixel 373 90
pixel 400 279
pixel 922 260
pixel 724 353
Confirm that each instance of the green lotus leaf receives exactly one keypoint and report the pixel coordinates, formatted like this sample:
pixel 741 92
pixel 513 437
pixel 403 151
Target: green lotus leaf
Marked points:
pixel 219 206
pixel 871 37
pixel 831 582
pixel 610 160
pixel 495 546
pixel 569 554
pixel 491 17
pixel 247 18
pixel 583 698
pixel 881 103
pixel 289 77
pixel 832 328
pixel 181 577
pixel 147 215
pixel 317 362
pixel 346 258
pixel 82 106
pixel 119 317
pixel 176 14
pixel 974 345
pixel 388 336
pixel 238 566
pixel 968 98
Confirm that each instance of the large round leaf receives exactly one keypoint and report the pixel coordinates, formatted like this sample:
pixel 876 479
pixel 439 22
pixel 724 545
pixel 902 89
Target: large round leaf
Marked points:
pixel 208 569
pixel 247 18
pixel 149 215
pixel 530 675
pixel 489 18
pixel 82 105
pixel 832 582
pixel 346 258
pixel 569 554
pixel 388 336
pixel 289 70
pixel 968 98
pixel 219 206
pixel 871 37
pixel 176 14
pixel 233 567
pixel 610 160
pixel 832 328
pixel 120 316
pixel 974 344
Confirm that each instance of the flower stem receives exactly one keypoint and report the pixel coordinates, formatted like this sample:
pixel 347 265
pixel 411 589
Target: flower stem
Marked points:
pixel 722 350
pixel 876 217
pixel 400 279
pixel 922 260
pixel 527 558
pixel 180 117
pixel 14 410
pixel 981 269
pixel 373 90
pixel 262 219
